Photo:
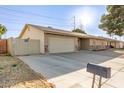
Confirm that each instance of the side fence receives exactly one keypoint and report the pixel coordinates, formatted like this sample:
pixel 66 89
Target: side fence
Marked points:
pixel 3 46
pixel 23 46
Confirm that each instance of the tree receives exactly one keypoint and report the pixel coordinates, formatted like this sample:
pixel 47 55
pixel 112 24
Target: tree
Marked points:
pixel 79 31
pixel 2 30
pixel 113 21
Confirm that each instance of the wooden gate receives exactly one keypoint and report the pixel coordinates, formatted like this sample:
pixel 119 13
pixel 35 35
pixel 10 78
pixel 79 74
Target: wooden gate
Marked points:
pixel 3 46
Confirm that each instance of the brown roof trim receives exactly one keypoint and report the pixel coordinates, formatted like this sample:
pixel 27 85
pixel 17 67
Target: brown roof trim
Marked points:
pixel 23 30
pixel 64 32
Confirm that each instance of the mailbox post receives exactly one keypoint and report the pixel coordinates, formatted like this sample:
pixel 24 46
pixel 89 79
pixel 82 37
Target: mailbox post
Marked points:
pixel 100 71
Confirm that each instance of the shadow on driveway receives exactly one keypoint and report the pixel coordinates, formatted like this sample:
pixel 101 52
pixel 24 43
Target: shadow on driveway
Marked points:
pixel 55 65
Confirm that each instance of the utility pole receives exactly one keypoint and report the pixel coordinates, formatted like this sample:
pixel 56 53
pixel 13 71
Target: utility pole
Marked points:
pixel 74 23
pixel 81 26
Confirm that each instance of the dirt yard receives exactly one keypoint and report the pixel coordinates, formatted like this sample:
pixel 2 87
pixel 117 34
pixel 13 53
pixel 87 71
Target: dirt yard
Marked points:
pixel 15 73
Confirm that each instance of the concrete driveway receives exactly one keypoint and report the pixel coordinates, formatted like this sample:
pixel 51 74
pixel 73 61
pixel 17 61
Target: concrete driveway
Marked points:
pixel 69 69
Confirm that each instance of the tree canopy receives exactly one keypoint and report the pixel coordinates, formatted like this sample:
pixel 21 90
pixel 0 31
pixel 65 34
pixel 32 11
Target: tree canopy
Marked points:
pixel 2 30
pixel 79 31
pixel 113 21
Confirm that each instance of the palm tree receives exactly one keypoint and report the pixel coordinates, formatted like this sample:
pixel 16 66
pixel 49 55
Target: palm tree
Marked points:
pixel 2 30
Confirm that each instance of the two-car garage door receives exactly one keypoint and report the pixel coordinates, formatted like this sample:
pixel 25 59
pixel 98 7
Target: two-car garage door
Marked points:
pixel 61 44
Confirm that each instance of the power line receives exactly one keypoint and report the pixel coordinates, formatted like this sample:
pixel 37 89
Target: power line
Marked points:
pixel 59 26
pixel 27 22
pixel 74 22
pixel 40 15
pixel 21 16
pixel 30 21
pixel 16 21
pixel 10 18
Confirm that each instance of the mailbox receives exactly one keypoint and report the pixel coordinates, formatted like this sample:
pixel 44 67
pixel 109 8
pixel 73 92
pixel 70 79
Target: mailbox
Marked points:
pixel 99 70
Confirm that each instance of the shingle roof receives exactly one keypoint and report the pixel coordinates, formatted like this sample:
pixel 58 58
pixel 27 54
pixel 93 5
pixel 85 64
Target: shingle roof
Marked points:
pixel 66 32
pixel 62 32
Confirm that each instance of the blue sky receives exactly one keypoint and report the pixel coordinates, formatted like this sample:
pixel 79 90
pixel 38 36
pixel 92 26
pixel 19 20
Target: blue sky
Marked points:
pixel 59 16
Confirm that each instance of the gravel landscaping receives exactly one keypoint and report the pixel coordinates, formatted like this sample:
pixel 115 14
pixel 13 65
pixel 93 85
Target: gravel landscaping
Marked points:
pixel 15 73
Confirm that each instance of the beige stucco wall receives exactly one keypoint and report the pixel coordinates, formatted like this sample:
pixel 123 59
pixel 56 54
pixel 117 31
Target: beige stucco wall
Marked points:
pixel 35 34
pixel 23 47
pixel 117 45
pixel 10 46
pixel 108 43
pixel 98 44
pixel 48 36
pixel 76 43
pixel 121 45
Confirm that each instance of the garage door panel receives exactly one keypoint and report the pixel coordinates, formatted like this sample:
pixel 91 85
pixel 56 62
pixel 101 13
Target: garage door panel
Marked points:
pixel 59 44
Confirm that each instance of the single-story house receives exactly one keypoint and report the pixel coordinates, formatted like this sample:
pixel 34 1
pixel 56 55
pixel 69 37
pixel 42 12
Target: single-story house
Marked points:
pixel 57 41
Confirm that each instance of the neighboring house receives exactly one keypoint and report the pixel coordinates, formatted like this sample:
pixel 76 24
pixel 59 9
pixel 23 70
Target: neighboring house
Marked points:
pixel 57 41
pixel 114 43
